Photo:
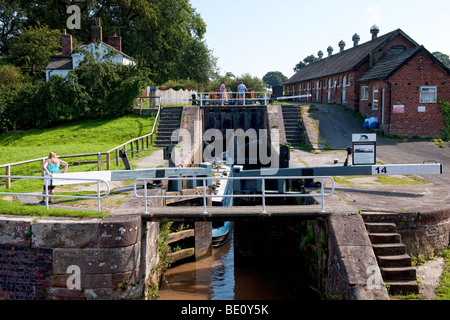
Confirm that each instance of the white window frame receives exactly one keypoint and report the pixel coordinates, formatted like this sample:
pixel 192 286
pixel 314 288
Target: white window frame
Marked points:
pixel 428 90
pixel 365 93
pixel 375 91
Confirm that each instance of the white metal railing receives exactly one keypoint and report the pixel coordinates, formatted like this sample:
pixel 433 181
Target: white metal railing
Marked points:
pixel 230 98
pixel 47 182
pixel 98 154
pixel 263 194
pixel 233 98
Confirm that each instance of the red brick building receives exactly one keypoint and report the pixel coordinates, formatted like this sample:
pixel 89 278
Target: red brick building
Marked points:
pixel 390 77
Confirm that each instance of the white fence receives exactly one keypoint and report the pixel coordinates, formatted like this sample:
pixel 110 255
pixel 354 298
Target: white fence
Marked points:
pixel 169 96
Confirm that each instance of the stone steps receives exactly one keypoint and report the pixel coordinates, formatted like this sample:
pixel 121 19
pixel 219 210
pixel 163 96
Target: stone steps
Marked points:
pixel 169 121
pixel 293 127
pixel 394 262
pixel 386 249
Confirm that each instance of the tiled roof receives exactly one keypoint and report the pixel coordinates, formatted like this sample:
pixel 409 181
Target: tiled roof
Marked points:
pixel 60 63
pixel 111 48
pixel 389 65
pixel 345 61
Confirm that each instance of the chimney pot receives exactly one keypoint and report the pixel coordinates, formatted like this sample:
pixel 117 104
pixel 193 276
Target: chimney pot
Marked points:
pixel 66 42
pixel 374 31
pixel 96 31
pixel 342 45
pixel 356 39
pixel 330 51
pixel 115 42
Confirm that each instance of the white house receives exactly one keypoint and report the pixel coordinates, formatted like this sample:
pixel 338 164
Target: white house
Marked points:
pixel 68 60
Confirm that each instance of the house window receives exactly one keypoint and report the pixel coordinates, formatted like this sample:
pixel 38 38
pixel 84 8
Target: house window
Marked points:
pixel 365 93
pixel 428 94
pixel 375 100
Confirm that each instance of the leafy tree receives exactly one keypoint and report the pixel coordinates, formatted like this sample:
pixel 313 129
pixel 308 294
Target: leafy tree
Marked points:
pixel 274 78
pixel 165 35
pixel 444 58
pixel 111 87
pixel 94 90
pixel 307 61
pixel 31 50
pixel 12 19
pixel 9 75
pixel 251 82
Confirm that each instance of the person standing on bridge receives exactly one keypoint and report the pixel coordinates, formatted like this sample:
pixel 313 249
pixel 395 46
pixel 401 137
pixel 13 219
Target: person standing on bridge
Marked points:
pixel 51 166
pixel 223 91
pixel 241 90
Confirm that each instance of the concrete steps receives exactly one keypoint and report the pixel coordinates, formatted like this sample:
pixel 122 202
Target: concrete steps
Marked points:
pixel 293 126
pixel 169 121
pixel 395 263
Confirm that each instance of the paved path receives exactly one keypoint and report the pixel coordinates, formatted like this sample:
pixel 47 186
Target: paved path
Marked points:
pixel 335 124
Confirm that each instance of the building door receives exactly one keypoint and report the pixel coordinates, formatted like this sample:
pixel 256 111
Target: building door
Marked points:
pixel 382 107
pixel 329 91
pixel 343 88
pixel 317 91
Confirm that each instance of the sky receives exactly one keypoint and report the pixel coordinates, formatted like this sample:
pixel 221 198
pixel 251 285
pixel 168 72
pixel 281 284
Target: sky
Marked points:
pixel 259 36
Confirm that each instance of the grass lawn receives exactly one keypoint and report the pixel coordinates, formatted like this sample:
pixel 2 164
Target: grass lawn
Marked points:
pixel 89 136
pixel 443 290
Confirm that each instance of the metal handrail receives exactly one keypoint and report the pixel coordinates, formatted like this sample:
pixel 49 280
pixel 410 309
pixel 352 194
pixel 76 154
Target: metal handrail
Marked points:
pixel 263 195
pixel 227 96
pixel 8 166
pixel 47 180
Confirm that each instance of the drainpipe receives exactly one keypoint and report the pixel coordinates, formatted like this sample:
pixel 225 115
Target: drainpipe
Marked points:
pixel 390 103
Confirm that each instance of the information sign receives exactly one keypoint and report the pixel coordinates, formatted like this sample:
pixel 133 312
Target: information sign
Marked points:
pixel 364 148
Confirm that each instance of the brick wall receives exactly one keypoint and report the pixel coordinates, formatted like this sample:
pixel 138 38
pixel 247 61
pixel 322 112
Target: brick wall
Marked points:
pixel 406 85
pixel 117 257
pixel 25 272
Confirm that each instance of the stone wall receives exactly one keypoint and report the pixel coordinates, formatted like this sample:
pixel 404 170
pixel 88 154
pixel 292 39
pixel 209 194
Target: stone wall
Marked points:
pixel 353 272
pixel 424 232
pixel 61 258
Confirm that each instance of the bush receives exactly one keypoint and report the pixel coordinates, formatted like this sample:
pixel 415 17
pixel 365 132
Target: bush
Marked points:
pixel 111 87
pixel 9 75
pixel 95 90
pixel 445 106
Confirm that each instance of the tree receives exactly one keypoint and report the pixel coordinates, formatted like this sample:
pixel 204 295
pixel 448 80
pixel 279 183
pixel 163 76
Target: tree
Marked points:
pixel 274 78
pixel 31 50
pixel 444 58
pixel 307 61
pixel 252 83
pixel 12 19
pixel 9 75
pixel 165 35
pixel 92 91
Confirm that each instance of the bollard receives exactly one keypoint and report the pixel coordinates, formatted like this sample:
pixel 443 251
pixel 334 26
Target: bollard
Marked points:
pixel 8 180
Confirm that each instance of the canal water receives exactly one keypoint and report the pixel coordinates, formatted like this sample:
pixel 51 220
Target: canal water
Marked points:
pixel 217 278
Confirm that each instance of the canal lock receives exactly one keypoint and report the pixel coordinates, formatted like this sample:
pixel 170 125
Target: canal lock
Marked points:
pixel 263 259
